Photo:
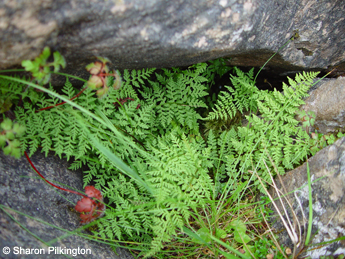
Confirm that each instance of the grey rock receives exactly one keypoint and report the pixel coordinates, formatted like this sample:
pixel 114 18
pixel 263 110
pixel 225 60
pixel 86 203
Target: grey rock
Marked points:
pixel 327 170
pixel 157 33
pixel 327 101
pixel 30 202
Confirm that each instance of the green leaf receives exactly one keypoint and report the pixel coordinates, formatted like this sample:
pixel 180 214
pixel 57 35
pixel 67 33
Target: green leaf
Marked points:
pixel 15 152
pixel 45 54
pixel 204 234
pixel 240 231
pixel 101 92
pixel 94 82
pixel 7 150
pixel 18 129
pixel 59 60
pixel 104 60
pixel 46 70
pixel 194 236
pixel 28 65
pixel 39 62
pixel 10 135
pixel 38 75
pixel 237 225
pixel 340 135
pixel 220 233
pixel 15 143
pixel 6 124
pixel 241 237
pixel 2 140
pixel 34 97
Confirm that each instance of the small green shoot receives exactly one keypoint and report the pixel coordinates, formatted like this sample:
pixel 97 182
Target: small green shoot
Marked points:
pixel 264 247
pixel 40 67
pixel 307 118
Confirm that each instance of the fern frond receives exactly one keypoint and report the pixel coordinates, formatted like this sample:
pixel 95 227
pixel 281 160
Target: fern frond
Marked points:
pixel 243 96
pixel 275 131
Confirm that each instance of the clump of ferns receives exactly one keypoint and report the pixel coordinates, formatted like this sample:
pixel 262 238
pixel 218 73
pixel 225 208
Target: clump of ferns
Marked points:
pixel 218 125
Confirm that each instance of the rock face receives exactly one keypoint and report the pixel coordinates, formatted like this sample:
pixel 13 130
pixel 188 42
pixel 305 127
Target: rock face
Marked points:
pixel 23 191
pixel 327 169
pixel 327 101
pixel 157 33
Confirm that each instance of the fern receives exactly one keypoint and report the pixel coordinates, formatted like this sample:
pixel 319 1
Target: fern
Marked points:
pixel 13 92
pixel 274 132
pixel 242 97
pixel 177 99
pixel 159 113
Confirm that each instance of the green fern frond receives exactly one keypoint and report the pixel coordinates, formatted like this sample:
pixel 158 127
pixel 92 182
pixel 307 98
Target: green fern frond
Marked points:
pixel 275 130
pixel 242 96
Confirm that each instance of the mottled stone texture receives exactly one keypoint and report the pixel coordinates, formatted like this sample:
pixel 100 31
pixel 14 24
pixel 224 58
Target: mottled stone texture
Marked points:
pixel 157 33
pixel 327 170
pixel 24 192
pixel 327 101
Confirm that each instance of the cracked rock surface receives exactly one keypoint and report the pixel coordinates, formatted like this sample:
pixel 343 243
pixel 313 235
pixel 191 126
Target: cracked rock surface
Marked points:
pixel 28 202
pixel 157 33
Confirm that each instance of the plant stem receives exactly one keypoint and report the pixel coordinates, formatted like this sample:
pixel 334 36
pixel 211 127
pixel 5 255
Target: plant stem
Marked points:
pixel 49 107
pixel 58 187
pixel 268 60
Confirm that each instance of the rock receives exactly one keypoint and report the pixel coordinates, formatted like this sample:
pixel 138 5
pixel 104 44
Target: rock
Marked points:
pixel 24 195
pixel 327 169
pixel 157 33
pixel 327 101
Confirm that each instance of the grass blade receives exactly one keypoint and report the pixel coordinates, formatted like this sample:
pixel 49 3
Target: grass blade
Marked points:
pixel 310 221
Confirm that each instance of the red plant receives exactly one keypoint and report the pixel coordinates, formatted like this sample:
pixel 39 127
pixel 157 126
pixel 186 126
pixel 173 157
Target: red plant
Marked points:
pixel 90 207
pixel 99 71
